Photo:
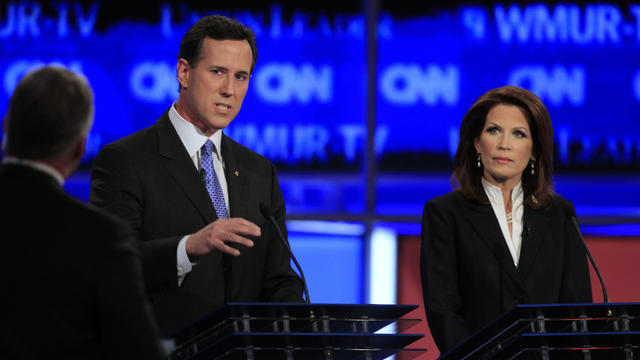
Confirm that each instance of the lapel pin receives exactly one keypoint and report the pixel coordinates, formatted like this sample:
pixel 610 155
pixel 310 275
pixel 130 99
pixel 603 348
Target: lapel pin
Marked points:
pixel 236 173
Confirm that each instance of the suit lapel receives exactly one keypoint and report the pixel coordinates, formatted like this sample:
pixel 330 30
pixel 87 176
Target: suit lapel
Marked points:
pixel 487 228
pixel 237 179
pixel 181 168
pixel 534 225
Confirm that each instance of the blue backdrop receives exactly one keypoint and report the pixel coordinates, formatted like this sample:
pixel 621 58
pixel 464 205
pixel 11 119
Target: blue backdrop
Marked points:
pixel 306 105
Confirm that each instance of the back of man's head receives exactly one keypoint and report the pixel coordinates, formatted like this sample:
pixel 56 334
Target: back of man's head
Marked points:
pixel 49 111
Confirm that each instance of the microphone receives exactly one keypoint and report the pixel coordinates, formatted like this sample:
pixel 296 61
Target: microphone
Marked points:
pixel 571 215
pixel 268 214
pixel 526 230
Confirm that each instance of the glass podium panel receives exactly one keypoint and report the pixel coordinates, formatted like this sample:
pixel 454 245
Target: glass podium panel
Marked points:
pixel 559 331
pixel 298 331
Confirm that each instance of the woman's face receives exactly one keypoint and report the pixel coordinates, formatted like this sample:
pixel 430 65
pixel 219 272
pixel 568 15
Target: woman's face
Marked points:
pixel 505 145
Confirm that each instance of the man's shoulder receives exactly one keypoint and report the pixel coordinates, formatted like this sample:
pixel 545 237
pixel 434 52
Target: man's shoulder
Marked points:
pixel 88 216
pixel 243 153
pixel 81 225
pixel 138 139
pixel 138 144
pixel 91 231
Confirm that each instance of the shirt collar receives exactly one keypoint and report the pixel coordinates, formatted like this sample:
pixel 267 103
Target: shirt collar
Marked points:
pixel 494 193
pixel 37 165
pixel 191 136
pixel 513 238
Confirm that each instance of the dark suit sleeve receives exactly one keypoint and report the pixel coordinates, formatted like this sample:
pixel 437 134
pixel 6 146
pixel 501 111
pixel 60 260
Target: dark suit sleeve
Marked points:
pixel 441 293
pixel 116 187
pixel 125 317
pixel 576 283
pixel 282 284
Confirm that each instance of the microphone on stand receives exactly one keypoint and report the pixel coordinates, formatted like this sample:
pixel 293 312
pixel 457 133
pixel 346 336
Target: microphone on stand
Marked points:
pixel 268 213
pixel 574 221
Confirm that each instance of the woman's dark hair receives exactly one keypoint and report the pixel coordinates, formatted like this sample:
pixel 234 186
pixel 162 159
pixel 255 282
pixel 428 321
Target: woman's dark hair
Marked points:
pixel 467 175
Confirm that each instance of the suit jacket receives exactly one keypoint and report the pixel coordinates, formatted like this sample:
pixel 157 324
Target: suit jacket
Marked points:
pixel 73 282
pixel 149 180
pixel 468 275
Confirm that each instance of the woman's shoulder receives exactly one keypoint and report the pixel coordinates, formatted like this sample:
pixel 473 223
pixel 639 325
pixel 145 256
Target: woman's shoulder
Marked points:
pixel 562 205
pixel 453 199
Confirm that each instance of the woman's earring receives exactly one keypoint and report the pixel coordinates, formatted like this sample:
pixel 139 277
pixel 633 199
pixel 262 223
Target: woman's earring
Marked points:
pixel 479 163
pixel 533 163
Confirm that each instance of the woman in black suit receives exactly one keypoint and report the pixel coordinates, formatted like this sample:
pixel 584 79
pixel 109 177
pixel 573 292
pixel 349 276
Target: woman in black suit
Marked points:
pixel 502 237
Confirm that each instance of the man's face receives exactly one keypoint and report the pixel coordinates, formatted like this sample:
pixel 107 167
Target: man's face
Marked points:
pixel 212 91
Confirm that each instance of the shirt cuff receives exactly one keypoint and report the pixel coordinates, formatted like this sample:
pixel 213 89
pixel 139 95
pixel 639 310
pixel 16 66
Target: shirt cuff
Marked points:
pixel 184 265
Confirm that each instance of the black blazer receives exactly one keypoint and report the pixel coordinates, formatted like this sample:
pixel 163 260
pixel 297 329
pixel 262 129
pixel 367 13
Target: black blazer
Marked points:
pixel 149 180
pixel 468 275
pixel 72 284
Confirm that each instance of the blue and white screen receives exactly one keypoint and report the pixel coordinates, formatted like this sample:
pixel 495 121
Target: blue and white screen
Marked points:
pixel 306 105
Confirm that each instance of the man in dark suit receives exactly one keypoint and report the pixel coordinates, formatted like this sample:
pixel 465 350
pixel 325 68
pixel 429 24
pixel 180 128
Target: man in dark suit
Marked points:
pixel 73 283
pixel 193 195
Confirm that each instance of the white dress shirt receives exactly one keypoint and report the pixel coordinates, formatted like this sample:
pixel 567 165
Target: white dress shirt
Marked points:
pixel 513 239
pixel 193 138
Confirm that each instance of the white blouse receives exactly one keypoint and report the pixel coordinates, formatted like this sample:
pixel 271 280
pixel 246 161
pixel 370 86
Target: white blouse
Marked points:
pixel 514 240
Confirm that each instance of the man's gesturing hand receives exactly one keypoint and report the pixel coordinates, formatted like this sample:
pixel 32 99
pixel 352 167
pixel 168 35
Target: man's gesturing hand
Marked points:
pixel 220 232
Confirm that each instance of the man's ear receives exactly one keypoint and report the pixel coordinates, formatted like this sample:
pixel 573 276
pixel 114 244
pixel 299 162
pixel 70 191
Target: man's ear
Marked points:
pixel 67 162
pixel 4 135
pixel 183 71
pixel 79 148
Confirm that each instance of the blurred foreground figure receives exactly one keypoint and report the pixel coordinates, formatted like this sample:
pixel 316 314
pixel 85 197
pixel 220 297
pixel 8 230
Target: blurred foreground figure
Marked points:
pixel 73 286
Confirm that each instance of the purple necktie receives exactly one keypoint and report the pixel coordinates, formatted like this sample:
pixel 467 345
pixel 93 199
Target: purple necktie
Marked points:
pixel 211 181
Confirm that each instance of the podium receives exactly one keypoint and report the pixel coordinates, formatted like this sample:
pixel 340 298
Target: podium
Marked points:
pixel 563 331
pixel 291 331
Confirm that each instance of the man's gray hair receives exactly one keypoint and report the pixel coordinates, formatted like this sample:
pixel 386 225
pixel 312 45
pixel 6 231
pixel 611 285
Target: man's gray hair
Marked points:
pixel 50 109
